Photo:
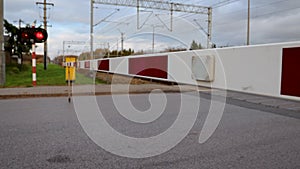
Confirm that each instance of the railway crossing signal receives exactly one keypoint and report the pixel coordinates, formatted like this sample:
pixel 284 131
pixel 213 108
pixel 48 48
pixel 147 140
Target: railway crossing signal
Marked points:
pixel 33 35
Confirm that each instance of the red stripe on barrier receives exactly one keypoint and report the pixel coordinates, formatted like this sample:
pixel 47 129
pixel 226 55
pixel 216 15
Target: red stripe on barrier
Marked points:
pixel 290 76
pixel 155 66
pixel 87 64
pixel 103 65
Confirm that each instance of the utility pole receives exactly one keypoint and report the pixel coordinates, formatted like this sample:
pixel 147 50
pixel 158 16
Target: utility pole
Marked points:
pixel 45 27
pixel 2 53
pixel 122 43
pixel 19 21
pixel 117 48
pixel 153 35
pixel 209 30
pixel 248 24
pixel 108 54
pixel 206 32
pixel 153 38
pixel 91 30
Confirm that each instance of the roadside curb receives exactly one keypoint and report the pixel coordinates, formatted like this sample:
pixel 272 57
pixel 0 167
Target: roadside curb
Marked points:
pixel 3 97
pixel 62 91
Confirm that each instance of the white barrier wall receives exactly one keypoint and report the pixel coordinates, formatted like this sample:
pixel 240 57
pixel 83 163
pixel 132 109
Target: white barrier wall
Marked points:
pixel 252 69
pixel 119 65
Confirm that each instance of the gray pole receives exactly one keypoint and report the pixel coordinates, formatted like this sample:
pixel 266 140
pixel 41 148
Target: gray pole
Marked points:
pixel 2 53
pixel 153 36
pixel 248 24
pixel 137 14
pixel 45 27
pixel 209 30
pixel 122 43
pixel 108 55
pixel 91 30
pixel 171 24
pixel 20 21
pixel 45 43
pixel 117 48
pixel 63 51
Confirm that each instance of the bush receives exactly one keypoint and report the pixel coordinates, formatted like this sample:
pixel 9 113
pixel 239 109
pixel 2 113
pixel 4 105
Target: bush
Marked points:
pixel 15 70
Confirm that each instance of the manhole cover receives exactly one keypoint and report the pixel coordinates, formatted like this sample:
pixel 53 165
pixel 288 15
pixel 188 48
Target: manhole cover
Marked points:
pixel 59 159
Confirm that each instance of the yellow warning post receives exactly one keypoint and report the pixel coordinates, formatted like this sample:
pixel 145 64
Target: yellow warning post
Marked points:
pixel 70 65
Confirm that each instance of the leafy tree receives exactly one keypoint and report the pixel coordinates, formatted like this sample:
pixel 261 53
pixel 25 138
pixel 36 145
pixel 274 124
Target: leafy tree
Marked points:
pixel 84 56
pixel 13 44
pixel 200 46
pixel 116 53
pixel 173 49
pixel 195 45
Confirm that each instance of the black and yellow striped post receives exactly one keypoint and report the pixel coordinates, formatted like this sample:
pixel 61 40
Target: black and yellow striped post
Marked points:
pixel 70 72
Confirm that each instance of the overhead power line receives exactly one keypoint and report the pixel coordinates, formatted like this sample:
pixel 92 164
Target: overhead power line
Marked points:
pixel 223 3
pixel 161 5
pixel 155 4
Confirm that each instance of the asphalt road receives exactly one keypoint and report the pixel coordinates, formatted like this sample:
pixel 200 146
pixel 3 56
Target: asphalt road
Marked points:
pixel 45 133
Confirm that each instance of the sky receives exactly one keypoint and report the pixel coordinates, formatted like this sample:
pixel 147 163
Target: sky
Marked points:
pixel 271 21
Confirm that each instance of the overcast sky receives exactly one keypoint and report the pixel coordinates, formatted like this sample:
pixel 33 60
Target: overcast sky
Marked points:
pixel 272 21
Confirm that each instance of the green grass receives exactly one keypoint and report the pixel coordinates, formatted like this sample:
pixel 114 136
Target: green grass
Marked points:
pixel 53 76
pixel 82 79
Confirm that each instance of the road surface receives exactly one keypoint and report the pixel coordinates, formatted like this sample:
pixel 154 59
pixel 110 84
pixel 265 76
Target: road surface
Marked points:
pixel 45 133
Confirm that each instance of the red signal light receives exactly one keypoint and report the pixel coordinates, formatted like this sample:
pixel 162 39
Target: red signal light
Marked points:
pixel 33 35
pixel 39 35
pixel 25 35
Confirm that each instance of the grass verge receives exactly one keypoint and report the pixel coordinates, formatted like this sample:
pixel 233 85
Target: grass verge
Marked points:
pixel 53 76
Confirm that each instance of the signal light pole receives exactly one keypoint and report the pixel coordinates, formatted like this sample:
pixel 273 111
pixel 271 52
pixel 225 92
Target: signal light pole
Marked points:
pixel 33 35
pixel 33 59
